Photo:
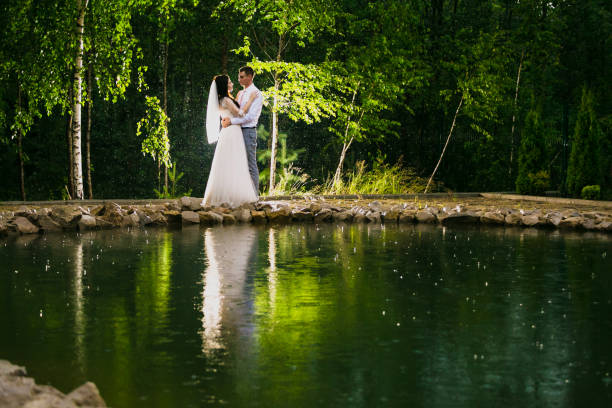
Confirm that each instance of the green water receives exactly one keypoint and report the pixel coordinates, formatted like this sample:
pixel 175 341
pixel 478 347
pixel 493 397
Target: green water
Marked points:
pixel 303 316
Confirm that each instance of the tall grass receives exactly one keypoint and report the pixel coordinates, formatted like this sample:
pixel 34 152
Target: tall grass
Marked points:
pixel 381 179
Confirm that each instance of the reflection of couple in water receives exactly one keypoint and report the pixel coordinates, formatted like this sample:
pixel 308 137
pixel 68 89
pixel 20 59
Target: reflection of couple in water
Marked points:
pixel 229 251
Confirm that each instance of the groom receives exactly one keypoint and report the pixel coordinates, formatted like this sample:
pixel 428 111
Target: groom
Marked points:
pixel 248 122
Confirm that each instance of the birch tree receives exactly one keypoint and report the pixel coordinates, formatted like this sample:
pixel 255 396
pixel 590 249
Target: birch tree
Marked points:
pixel 296 88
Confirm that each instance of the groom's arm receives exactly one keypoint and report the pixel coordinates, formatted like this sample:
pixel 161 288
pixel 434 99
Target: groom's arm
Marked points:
pixel 253 113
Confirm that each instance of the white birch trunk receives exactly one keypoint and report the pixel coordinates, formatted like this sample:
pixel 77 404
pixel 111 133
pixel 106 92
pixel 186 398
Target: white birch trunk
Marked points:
pixel 445 145
pixel 274 139
pixel 77 168
pixel 514 107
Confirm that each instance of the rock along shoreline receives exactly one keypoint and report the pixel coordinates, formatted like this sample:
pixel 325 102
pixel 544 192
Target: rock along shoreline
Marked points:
pixel 487 209
pixel 19 390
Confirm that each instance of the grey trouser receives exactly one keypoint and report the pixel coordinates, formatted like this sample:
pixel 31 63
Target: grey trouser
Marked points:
pixel 250 142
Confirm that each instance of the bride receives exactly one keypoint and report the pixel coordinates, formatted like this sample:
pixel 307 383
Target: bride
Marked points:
pixel 229 181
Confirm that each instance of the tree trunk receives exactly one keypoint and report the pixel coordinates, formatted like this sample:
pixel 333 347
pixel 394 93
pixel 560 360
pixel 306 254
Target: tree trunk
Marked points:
pixel 338 174
pixel 166 105
pixel 345 145
pixel 88 134
pixel 518 79
pixel 274 137
pixel 70 187
pixel 77 165
pixel 445 145
pixel 20 150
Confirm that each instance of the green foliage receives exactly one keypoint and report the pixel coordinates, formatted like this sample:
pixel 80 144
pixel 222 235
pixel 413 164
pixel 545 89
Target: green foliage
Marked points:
pixel 382 76
pixel 591 192
pixel 304 90
pixel 290 178
pixel 532 178
pixel 584 163
pixel 382 179
pixel 154 126
pixel 291 181
pixel 174 179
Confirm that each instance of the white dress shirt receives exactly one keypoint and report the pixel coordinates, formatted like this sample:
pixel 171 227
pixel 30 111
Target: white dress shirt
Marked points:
pixel 252 116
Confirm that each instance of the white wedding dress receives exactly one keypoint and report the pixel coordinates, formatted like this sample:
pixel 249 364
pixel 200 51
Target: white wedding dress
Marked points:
pixel 229 181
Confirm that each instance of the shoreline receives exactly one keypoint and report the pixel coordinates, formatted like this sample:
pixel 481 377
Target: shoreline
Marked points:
pixel 19 218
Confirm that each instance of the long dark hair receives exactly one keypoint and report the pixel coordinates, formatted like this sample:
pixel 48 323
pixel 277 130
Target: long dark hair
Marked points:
pixel 222 82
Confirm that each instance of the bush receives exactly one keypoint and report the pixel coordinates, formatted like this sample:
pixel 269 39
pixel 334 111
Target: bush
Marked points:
pixel 531 178
pixel 591 192
pixel 584 166
pixel 538 182
pixel 382 179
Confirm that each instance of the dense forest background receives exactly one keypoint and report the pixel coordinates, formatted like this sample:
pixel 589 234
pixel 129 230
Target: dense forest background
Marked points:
pixel 516 93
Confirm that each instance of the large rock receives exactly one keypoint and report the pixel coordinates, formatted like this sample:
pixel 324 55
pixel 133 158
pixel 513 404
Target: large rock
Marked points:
pixel 491 217
pixel 87 395
pixel 553 219
pixel 259 217
pixel 102 223
pixel 3 228
pixel 47 224
pixel 18 390
pixel 604 226
pixel 210 218
pixel 174 206
pixel 359 217
pixel 130 220
pixel 67 217
pixel 465 217
pixel 325 215
pixel 280 215
pixel 391 216
pixel 87 222
pixel 190 217
pixel 302 215
pixel 514 218
pixel 112 213
pixel 23 226
pixel 97 210
pixel 373 216
pixel 571 222
pixel 589 224
pixel 530 220
pixel 143 218
pixel 229 219
pixel 242 215
pixel 407 216
pixel 172 216
pixel 342 216
pixel 191 203
pixel 426 217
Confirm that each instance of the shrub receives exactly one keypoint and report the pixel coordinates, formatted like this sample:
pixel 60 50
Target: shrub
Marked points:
pixel 382 179
pixel 584 166
pixel 591 192
pixel 539 182
pixel 531 178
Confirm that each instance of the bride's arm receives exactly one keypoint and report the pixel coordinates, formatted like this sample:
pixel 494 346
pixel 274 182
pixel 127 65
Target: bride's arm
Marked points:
pixel 231 106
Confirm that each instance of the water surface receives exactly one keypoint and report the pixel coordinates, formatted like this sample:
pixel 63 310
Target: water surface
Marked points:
pixel 303 316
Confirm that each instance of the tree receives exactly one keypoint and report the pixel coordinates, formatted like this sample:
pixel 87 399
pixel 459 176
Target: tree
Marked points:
pixel 584 163
pixel 532 176
pixel 296 89
pixel 376 71
pixel 154 125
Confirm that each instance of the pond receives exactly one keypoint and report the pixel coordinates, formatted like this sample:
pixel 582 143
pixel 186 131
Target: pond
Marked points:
pixel 306 315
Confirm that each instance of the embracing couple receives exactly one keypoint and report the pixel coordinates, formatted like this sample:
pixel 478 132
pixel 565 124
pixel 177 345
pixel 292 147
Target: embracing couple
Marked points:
pixel 232 122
